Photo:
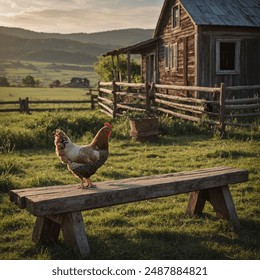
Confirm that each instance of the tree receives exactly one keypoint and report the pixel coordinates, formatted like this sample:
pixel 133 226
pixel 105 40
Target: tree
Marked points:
pixel 29 81
pixel 4 82
pixel 104 68
pixel 55 83
pixel 38 83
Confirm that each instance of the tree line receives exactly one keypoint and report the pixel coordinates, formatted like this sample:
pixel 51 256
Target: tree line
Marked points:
pixel 28 81
pixel 104 68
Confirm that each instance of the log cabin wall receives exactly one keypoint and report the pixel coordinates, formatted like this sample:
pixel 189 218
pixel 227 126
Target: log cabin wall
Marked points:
pixel 184 36
pixel 205 29
pixel 248 58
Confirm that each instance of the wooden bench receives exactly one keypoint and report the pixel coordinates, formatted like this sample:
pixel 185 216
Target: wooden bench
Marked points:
pixel 59 207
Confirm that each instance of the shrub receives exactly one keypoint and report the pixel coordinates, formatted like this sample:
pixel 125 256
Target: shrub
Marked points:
pixel 37 131
pixel 4 82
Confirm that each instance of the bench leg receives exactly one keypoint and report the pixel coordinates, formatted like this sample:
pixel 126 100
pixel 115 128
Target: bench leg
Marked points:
pixel 221 200
pixel 45 230
pixel 74 233
pixel 223 204
pixel 196 202
pixel 72 226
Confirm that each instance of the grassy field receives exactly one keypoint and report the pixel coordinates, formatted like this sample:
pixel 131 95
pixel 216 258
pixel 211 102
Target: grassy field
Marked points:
pixel 45 72
pixel 154 229
pixel 14 93
pixel 36 94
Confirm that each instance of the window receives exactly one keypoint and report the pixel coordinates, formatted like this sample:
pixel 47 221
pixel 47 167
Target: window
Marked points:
pixel 227 56
pixel 171 56
pixel 175 16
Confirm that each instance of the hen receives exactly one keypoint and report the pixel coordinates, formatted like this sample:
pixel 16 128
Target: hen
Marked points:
pixel 83 161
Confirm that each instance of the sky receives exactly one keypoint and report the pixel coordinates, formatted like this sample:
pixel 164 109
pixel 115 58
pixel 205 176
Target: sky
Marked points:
pixel 73 16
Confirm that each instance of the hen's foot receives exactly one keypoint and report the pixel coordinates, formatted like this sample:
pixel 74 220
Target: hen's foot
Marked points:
pixel 81 186
pixel 90 185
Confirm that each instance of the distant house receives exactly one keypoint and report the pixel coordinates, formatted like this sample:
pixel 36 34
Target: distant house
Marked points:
pixel 78 83
pixel 202 42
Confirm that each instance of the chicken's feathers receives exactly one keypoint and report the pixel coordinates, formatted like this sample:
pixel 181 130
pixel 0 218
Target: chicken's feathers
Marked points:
pixel 83 161
pixel 65 149
pixel 88 168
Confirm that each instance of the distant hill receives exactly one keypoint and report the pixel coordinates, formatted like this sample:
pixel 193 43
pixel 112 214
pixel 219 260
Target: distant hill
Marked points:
pixel 77 48
pixel 49 50
pixel 121 37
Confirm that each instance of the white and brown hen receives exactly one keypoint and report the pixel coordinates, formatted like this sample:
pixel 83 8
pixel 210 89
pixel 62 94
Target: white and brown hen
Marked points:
pixel 84 161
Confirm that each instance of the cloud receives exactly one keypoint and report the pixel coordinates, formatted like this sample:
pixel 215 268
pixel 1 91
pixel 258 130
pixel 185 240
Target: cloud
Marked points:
pixel 67 16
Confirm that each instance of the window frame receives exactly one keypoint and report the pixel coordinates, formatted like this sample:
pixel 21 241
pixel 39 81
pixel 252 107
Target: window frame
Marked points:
pixel 171 56
pixel 236 69
pixel 166 56
pixel 177 6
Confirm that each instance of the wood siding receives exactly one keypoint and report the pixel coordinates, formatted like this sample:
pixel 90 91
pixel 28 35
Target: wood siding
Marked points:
pixel 249 57
pixel 184 35
pixel 197 53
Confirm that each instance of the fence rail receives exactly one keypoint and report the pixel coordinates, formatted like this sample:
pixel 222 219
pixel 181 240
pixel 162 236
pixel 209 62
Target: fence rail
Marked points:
pixel 24 105
pixel 114 98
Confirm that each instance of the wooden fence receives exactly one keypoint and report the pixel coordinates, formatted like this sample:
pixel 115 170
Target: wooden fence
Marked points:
pixel 26 105
pixel 114 98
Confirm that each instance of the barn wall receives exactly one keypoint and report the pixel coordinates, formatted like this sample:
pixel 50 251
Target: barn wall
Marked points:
pixel 184 35
pixel 197 53
pixel 249 57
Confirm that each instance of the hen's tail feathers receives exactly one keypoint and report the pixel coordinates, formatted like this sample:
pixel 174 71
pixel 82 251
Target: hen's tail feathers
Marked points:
pixel 61 141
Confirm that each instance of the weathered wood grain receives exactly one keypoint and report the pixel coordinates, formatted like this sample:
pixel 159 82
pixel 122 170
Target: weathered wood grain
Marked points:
pixel 59 207
pixel 64 199
pixel 223 204
pixel 221 200
pixel 196 202
pixel 74 233
pixel 45 230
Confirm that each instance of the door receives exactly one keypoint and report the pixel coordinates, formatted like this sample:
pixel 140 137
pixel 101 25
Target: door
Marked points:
pixel 150 68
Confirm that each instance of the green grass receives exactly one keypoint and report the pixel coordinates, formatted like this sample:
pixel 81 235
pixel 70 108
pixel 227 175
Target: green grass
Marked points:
pixel 14 93
pixel 15 71
pixel 154 229
pixel 36 94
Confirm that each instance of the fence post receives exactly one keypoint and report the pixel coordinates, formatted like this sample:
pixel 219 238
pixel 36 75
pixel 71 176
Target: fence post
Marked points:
pixel 147 97
pixel 222 109
pixel 114 99
pixel 21 105
pixel 92 104
pixel 26 105
pixel 153 93
pixel 99 95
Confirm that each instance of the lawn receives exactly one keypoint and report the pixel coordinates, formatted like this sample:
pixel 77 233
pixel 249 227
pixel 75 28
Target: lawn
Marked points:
pixel 154 229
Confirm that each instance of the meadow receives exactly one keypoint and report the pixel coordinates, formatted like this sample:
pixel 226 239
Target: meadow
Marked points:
pixel 45 72
pixel 14 93
pixel 45 94
pixel 154 229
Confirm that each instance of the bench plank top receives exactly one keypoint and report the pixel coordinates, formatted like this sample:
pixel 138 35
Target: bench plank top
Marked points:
pixel 53 200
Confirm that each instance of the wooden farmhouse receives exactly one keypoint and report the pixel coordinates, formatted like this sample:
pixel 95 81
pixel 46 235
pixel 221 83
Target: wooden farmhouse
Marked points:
pixel 78 83
pixel 202 43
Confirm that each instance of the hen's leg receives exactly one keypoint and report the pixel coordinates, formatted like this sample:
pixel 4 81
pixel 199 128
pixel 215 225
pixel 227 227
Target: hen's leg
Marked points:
pixel 81 185
pixel 89 184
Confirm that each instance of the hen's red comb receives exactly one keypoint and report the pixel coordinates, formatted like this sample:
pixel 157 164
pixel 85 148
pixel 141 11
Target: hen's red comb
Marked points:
pixel 107 125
